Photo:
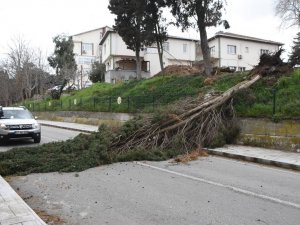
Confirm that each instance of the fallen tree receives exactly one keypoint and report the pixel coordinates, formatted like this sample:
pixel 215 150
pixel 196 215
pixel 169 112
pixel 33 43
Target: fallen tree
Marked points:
pixel 197 127
pixel 201 122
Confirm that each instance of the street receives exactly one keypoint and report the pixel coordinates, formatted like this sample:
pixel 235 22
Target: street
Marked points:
pixel 49 134
pixel 211 190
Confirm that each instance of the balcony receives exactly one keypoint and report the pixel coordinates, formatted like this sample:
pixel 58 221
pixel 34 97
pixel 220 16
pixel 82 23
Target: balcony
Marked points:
pixel 113 76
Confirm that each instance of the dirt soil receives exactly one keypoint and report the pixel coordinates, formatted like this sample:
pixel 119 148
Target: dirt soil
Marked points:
pixel 181 70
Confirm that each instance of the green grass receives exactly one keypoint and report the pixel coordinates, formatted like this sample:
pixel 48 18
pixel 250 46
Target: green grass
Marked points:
pixel 257 101
pixel 137 96
pixel 151 94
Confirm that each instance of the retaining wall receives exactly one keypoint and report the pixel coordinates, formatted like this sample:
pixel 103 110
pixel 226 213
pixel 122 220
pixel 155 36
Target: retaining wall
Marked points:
pixel 284 135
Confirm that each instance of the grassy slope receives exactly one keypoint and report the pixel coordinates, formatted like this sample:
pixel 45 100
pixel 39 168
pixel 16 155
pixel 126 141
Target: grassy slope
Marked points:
pixel 140 94
pixel 146 95
pixel 258 100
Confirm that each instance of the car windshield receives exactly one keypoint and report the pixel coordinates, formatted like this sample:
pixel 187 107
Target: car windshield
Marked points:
pixel 16 114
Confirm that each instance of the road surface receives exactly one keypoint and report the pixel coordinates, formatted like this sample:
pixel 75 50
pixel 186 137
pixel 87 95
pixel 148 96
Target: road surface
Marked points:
pixel 49 134
pixel 209 191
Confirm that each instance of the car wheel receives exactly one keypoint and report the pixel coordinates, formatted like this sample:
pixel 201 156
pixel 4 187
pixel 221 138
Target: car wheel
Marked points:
pixel 37 139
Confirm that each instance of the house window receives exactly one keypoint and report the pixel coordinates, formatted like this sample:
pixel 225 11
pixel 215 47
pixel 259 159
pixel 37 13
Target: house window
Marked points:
pixel 247 49
pixel 166 46
pixel 242 69
pixel 87 49
pixel 184 48
pixel 212 50
pixel 231 49
pixel 264 51
pixel 104 49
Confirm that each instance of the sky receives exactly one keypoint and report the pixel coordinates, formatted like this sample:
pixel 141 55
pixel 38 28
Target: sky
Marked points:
pixel 38 21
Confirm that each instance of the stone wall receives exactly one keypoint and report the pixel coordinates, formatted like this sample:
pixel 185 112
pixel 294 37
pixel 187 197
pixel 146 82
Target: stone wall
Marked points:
pixel 284 135
pixel 91 118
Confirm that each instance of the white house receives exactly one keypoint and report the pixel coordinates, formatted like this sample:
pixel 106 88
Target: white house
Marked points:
pixel 239 52
pixel 87 51
pixel 120 61
pixel 229 50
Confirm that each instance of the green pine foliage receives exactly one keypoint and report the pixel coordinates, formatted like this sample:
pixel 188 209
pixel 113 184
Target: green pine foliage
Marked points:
pixel 295 55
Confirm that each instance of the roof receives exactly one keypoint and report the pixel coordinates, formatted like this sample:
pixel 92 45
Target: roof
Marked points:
pixel 91 31
pixel 170 37
pixel 243 37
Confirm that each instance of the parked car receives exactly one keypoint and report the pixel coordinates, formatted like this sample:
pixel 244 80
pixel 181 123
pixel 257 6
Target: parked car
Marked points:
pixel 18 122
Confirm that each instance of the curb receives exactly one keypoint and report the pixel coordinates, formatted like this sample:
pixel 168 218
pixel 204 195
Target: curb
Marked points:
pixel 67 128
pixel 255 159
pixel 16 210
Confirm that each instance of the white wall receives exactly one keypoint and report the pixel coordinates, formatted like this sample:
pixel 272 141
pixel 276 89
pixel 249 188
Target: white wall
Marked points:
pixel 116 47
pixel 151 55
pixel 176 50
pixel 120 48
pixel 248 59
pixel 92 37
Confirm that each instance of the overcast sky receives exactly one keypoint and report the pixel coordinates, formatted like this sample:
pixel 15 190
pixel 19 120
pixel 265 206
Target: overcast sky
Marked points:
pixel 38 21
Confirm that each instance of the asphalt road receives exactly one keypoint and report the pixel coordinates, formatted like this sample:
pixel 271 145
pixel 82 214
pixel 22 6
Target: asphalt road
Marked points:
pixel 209 191
pixel 49 134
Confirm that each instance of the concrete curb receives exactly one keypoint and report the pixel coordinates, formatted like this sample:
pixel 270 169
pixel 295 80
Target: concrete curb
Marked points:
pixel 67 128
pixel 254 159
pixel 13 209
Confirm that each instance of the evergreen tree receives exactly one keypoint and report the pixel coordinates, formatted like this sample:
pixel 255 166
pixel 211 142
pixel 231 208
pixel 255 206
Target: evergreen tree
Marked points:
pixel 63 60
pixel 134 24
pixel 97 73
pixel 295 56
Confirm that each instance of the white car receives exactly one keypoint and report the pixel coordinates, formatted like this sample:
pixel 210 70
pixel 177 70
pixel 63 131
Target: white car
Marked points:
pixel 18 122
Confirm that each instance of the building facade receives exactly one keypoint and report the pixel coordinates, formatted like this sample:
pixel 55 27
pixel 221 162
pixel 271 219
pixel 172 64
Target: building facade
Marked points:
pixel 87 50
pixel 239 52
pixel 120 61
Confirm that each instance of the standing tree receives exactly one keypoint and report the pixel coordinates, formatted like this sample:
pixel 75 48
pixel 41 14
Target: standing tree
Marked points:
pixel 295 56
pixel 133 25
pixel 4 88
pixel 202 14
pixel 97 74
pixel 63 60
pixel 289 12
pixel 26 71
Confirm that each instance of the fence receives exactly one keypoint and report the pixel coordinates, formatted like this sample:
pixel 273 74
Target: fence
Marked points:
pixel 269 103
pixel 128 104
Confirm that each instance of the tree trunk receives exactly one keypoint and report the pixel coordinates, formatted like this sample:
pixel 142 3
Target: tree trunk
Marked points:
pixel 138 65
pixel 205 49
pixel 160 49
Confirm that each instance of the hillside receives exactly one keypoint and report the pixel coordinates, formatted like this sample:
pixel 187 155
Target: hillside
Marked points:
pixel 149 95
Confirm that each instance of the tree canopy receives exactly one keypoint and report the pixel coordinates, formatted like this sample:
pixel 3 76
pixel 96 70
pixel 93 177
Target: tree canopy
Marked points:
pixel 63 60
pixel 97 74
pixel 295 55
pixel 134 23
pixel 201 14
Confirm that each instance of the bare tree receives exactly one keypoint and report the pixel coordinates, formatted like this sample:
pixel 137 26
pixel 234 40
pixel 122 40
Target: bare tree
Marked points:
pixel 25 70
pixel 4 88
pixel 289 11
